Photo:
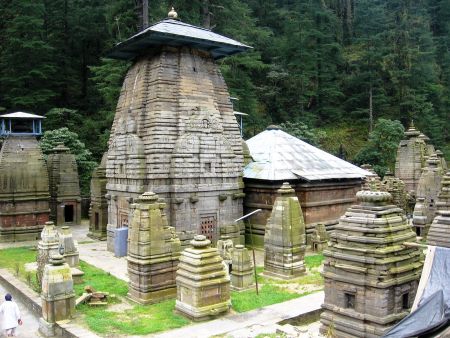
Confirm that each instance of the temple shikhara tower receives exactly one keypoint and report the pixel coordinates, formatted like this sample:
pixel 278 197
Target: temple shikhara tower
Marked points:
pixel 174 132
pixel 24 190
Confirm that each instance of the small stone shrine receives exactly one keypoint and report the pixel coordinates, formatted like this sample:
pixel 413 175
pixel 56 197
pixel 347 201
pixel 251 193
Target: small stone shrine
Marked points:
pixel 411 156
pixel 174 131
pixel 203 282
pixel 241 269
pixel 153 252
pixel 285 238
pixel 58 297
pixel 419 219
pixel 69 246
pixel 225 247
pixel 24 192
pixel 439 233
pixel 372 182
pixel 98 210
pixel 47 247
pixel 370 277
pixel 319 238
pixel 442 162
pixel 396 187
pixel 428 188
pixel 65 198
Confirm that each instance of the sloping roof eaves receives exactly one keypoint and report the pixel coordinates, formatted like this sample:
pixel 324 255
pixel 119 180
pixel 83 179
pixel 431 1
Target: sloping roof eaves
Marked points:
pixel 280 156
pixel 22 115
pixel 175 33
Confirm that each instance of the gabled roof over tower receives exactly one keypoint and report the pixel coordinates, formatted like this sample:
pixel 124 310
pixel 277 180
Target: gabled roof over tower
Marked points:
pixel 280 156
pixel 172 32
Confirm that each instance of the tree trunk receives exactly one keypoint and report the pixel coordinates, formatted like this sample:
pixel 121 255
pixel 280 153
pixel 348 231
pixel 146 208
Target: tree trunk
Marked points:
pixel 144 14
pixel 206 15
pixel 370 108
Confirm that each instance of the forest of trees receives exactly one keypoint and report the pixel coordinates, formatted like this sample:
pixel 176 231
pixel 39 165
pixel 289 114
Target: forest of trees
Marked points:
pixel 330 67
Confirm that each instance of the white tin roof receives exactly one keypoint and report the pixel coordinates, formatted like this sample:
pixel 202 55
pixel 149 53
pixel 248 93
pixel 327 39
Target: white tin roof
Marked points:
pixel 279 156
pixel 22 115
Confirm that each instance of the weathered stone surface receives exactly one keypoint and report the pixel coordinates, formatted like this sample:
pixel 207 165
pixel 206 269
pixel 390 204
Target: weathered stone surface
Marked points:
pixel 174 133
pixel 24 192
pixel 285 237
pixel 319 238
pixel 442 163
pixel 372 182
pixel 47 247
pixel 203 282
pixel 439 233
pixel 370 277
pixel 411 156
pixel 70 247
pixel 153 252
pixel 58 297
pixel 241 269
pixel 396 187
pixel 98 210
pixel 185 238
pixel 65 199
pixel 428 188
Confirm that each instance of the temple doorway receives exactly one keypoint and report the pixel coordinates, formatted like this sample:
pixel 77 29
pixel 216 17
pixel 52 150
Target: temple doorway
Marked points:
pixel 68 214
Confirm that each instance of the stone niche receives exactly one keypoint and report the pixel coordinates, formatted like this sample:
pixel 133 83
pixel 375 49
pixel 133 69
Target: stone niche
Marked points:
pixel 285 238
pixel 65 198
pixel 153 252
pixel 174 133
pixel 428 189
pixel 412 153
pixel 370 277
pixel 203 282
pixel 98 210
pixel 439 233
pixel 24 192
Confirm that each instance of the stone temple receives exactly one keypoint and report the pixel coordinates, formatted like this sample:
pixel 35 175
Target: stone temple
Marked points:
pixel 24 189
pixel 174 131
pixel 370 277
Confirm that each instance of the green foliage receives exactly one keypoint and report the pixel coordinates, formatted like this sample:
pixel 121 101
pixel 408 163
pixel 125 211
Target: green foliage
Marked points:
pixel 62 117
pixel 83 156
pixel 304 132
pixel 381 148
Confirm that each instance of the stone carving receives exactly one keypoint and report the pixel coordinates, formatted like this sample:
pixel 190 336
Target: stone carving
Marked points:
pixel 372 182
pixel 439 233
pixel 47 246
pixel 241 269
pixel 319 238
pixel 203 282
pixel 58 297
pixel 396 187
pixel 442 163
pixel 411 156
pixel 65 198
pixel 153 252
pixel 225 248
pixel 98 210
pixel 371 278
pixel 24 192
pixel 174 133
pixel 69 247
pixel 285 237
pixel 428 188
pixel 185 238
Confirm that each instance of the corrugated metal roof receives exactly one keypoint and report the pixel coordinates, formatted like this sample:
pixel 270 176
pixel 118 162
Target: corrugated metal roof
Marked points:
pixel 279 156
pixel 176 33
pixel 22 115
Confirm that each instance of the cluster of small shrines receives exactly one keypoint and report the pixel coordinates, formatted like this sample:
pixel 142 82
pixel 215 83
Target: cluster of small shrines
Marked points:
pixel 177 179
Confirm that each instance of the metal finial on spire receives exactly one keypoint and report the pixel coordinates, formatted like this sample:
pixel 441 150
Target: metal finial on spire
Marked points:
pixel 172 14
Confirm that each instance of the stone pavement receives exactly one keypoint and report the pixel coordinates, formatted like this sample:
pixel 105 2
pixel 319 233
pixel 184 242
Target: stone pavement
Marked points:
pixel 237 323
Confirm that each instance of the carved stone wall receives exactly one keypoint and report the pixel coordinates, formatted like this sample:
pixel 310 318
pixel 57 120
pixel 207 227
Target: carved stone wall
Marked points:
pixel 98 210
pixel 24 192
pixel 175 134
pixel 439 233
pixel 65 198
pixel 370 277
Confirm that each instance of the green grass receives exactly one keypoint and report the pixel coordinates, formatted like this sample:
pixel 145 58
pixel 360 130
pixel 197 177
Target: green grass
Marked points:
pixel 140 320
pixel 313 261
pixel 14 259
pixel 100 280
pixel 268 295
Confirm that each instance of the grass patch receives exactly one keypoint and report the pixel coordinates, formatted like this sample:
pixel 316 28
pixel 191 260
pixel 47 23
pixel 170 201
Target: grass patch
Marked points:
pixel 100 280
pixel 268 295
pixel 14 259
pixel 140 320
pixel 313 261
